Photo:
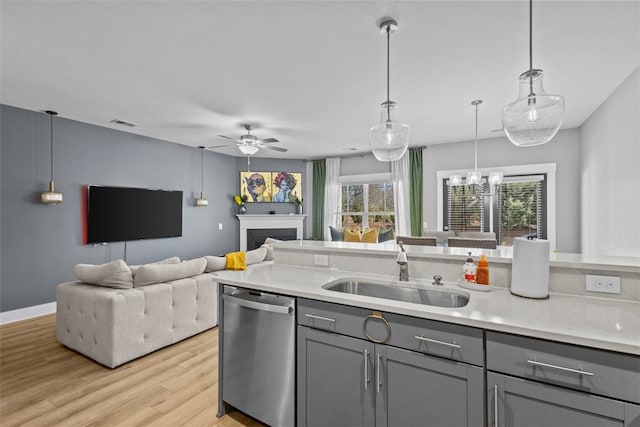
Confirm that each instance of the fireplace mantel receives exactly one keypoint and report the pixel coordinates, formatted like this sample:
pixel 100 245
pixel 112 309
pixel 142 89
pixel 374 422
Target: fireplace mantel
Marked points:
pixel 262 221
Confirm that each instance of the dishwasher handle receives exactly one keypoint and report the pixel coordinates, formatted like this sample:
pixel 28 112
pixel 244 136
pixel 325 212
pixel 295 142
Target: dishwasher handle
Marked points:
pixel 255 305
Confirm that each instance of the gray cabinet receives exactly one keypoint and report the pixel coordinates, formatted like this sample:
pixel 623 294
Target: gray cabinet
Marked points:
pixel 351 381
pixel 544 383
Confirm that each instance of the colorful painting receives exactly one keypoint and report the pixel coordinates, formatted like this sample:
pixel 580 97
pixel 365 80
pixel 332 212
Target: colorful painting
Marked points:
pixel 256 185
pixel 286 186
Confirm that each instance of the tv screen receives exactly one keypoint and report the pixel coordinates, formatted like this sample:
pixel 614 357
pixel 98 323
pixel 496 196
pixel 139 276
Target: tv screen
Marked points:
pixel 117 214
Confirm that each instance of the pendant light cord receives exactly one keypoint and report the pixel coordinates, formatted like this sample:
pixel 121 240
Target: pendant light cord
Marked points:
pixel 51 145
pixel 388 55
pixel 476 158
pixel 531 50
pixel 201 170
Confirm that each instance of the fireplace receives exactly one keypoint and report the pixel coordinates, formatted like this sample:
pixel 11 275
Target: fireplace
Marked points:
pixel 255 228
pixel 256 236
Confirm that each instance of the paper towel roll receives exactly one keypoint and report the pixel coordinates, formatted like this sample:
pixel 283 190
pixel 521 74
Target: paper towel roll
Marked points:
pixel 530 268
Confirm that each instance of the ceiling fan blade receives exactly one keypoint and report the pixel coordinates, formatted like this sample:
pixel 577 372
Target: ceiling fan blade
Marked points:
pixel 268 140
pixel 233 139
pixel 282 150
pixel 220 146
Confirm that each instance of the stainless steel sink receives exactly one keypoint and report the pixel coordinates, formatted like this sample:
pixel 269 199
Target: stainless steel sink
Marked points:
pixel 439 298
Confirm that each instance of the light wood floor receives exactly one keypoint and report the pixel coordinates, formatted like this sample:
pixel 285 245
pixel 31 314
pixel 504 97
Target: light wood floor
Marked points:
pixel 42 383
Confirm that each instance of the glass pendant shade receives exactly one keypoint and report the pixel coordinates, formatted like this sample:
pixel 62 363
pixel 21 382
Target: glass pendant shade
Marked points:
pixel 455 180
pixel 389 139
pixel 535 117
pixel 495 178
pixel 473 177
pixel 51 197
pixel 248 149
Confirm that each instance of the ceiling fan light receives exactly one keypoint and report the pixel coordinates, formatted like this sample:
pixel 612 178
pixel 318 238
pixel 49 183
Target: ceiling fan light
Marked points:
pixel 534 117
pixel 248 149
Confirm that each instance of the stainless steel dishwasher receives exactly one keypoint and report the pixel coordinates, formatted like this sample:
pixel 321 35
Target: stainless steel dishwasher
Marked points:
pixel 258 355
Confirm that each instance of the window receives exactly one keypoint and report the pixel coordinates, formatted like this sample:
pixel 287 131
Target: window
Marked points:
pixel 367 205
pixel 516 208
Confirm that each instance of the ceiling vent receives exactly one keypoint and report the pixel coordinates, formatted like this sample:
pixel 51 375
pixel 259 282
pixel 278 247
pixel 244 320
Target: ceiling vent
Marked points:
pixel 123 123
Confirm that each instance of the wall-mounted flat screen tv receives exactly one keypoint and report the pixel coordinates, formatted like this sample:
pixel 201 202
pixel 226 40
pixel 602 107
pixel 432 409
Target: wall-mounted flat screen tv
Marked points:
pixel 117 214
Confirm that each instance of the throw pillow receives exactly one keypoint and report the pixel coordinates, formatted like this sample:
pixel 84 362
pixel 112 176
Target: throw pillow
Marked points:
pixel 351 235
pixel 269 256
pixel 172 260
pixel 369 235
pixel 161 273
pixel 385 235
pixel 215 263
pixel 337 235
pixel 270 240
pixel 236 261
pixel 115 274
pixel 255 256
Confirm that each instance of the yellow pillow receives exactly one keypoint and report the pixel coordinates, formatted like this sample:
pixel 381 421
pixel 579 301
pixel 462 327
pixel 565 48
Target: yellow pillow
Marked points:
pixel 236 261
pixel 369 235
pixel 351 235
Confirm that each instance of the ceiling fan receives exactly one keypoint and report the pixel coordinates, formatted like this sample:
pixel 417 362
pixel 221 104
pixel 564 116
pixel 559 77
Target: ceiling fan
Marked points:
pixel 250 144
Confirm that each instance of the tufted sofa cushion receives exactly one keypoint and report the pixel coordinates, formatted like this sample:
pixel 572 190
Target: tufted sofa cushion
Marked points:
pixel 114 326
pixel 150 274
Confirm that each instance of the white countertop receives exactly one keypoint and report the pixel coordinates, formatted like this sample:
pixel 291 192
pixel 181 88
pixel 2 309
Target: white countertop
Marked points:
pixel 583 320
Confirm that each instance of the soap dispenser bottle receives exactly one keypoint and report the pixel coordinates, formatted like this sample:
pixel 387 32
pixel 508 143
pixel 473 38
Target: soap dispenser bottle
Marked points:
pixel 469 270
pixel 482 274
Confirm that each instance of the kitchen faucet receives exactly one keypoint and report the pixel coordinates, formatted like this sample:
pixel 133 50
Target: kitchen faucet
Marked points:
pixel 403 263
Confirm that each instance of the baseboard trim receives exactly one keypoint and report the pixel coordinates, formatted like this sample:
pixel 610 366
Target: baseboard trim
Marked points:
pixel 27 313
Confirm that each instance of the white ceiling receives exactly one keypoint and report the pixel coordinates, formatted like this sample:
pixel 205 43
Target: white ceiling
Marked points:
pixel 310 73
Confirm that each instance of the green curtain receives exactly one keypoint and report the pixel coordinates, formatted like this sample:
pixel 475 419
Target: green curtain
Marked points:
pixel 317 216
pixel 415 191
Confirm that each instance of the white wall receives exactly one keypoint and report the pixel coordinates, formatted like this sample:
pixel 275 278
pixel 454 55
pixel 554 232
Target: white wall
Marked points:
pixel 564 150
pixel 610 157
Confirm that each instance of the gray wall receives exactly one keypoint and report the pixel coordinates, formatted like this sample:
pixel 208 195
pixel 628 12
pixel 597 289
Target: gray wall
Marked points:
pixel 564 150
pixel 41 244
pixel 610 175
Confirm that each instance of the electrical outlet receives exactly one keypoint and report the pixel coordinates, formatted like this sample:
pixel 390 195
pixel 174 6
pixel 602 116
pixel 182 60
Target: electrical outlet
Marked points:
pixel 220 226
pixel 606 284
pixel 322 260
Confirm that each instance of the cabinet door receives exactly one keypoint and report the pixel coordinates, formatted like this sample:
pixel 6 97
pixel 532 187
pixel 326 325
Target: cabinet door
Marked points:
pixel 334 380
pixel 521 402
pixel 422 390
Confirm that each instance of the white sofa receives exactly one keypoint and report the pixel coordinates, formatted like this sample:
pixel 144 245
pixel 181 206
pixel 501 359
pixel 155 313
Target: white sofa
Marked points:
pixel 117 313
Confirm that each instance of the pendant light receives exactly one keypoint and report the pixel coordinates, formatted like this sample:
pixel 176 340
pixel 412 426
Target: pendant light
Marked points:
pixel 51 197
pixel 535 116
pixel 388 139
pixel 474 177
pixel 201 202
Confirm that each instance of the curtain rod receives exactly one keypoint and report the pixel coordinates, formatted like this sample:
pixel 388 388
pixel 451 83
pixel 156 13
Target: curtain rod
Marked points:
pixel 361 154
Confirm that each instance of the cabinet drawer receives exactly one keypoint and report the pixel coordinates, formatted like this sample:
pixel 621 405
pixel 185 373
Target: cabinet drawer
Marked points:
pixel 590 370
pixel 332 317
pixel 457 342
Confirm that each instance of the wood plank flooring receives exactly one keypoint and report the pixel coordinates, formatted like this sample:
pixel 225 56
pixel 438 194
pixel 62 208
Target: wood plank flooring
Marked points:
pixel 43 383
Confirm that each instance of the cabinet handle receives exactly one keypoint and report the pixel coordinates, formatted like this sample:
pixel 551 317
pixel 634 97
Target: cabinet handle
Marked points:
pixel 378 357
pixel 366 369
pixel 313 316
pixel 561 368
pixel 422 338
pixel 495 405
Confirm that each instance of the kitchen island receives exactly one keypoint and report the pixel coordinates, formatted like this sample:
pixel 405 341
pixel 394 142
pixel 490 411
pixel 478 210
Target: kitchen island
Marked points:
pixel 564 348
